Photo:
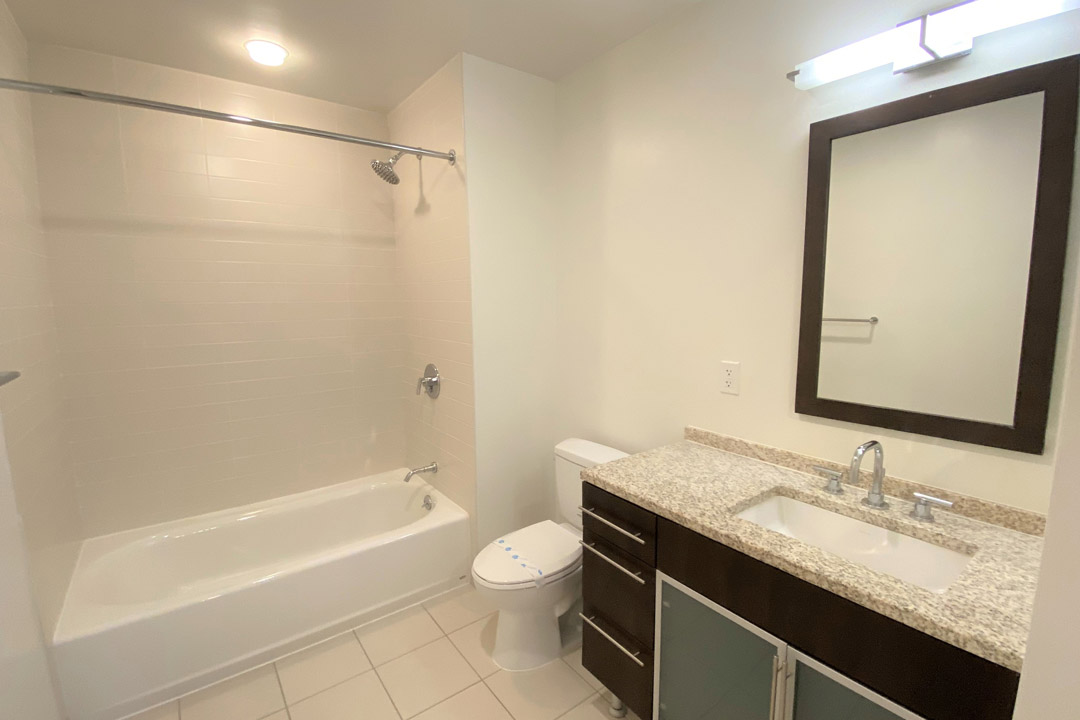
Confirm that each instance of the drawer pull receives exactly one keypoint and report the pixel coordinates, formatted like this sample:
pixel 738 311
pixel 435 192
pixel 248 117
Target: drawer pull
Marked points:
pixel 633 575
pixel 636 537
pixel 632 655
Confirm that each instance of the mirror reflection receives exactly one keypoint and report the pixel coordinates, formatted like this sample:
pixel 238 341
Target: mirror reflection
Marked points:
pixel 928 252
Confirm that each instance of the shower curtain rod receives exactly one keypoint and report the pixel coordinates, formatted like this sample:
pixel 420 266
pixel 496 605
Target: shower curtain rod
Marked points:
pixel 9 84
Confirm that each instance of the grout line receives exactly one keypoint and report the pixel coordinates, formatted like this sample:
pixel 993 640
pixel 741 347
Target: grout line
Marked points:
pixel 328 688
pixel 356 636
pixel 388 695
pixel 281 689
pixel 495 694
pixel 587 700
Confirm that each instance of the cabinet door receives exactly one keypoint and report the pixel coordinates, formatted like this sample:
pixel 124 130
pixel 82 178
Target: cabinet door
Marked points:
pixel 711 664
pixel 817 692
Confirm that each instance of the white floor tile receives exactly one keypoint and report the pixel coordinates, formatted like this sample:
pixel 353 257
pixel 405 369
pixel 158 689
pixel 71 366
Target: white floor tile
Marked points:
pixel 279 715
pixel 595 708
pixel 476 642
pixel 573 659
pixel 458 608
pixel 402 632
pixel 475 703
pixel 426 677
pixel 169 711
pixel 313 670
pixel 361 698
pixel 541 694
pixel 250 696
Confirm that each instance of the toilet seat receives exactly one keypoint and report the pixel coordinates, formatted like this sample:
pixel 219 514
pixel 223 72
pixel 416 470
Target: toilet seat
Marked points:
pixel 536 554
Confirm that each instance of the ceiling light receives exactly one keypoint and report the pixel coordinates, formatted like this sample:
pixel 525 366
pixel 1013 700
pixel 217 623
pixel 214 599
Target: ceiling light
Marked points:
pixel 265 52
pixel 936 36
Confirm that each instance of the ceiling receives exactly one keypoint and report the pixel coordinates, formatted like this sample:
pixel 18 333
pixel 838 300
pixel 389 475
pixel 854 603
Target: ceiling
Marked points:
pixel 366 53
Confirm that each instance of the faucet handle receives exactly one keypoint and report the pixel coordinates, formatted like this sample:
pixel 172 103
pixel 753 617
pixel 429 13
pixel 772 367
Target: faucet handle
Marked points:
pixel 835 486
pixel 430 382
pixel 923 510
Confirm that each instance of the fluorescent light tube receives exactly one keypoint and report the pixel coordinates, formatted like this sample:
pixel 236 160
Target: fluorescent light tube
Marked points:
pixel 849 60
pixel 933 37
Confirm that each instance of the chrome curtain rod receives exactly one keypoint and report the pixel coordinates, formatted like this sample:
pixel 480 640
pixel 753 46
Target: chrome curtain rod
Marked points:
pixel 8 84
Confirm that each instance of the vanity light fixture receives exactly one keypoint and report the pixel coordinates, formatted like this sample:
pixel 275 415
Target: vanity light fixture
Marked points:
pixel 928 39
pixel 265 52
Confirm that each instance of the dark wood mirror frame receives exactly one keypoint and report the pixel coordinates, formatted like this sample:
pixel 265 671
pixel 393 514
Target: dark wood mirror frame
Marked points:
pixel 1060 81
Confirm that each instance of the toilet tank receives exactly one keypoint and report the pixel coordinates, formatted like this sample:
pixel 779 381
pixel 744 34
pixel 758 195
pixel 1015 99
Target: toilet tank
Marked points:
pixel 571 457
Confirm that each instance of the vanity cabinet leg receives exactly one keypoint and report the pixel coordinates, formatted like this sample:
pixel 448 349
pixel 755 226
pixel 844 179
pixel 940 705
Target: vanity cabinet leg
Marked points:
pixel 617 709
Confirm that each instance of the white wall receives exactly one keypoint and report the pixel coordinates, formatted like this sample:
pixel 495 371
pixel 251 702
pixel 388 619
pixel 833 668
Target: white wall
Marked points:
pixel 26 681
pixel 432 230
pixel 1049 684
pixel 510 141
pixel 226 295
pixel 33 405
pixel 683 185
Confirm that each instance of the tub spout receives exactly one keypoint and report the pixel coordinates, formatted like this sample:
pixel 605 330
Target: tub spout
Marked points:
pixel 432 468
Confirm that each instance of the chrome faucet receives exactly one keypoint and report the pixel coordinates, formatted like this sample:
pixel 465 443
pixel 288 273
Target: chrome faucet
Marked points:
pixel 432 468
pixel 875 498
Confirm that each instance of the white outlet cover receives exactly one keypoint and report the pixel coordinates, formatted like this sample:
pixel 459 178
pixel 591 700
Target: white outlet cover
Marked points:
pixel 730 370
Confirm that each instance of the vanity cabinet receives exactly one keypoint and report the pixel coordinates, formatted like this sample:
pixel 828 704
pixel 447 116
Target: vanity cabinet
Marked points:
pixel 734 637
pixel 815 691
pixel 713 664
pixel 619 596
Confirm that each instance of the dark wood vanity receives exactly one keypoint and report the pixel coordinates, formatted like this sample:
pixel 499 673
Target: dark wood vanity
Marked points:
pixel 630 551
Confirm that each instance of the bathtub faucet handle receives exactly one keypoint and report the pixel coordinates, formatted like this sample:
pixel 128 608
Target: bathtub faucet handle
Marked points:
pixel 430 382
pixel 432 468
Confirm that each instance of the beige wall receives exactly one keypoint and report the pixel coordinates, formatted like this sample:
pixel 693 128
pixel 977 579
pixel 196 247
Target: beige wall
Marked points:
pixel 510 137
pixel 227 298
pixel 31 406
pixel 1049 687
pixel 684 195
pixel 431 215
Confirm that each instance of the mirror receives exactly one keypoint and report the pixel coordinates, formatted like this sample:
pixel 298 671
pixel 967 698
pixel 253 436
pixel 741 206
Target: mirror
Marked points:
pixel 935 242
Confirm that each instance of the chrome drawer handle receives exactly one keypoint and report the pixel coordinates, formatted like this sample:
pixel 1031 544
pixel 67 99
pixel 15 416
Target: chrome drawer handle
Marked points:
pixel 632 655
pixel 636 537
pixel 632 575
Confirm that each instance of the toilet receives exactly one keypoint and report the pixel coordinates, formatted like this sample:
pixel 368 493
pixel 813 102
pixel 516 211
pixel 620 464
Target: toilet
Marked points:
pixel 533 575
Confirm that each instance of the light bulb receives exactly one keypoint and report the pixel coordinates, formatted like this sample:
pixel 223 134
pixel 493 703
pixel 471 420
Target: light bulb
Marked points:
pixel 265 52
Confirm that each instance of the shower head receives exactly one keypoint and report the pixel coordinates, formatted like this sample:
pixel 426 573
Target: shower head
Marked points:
pixel 385 170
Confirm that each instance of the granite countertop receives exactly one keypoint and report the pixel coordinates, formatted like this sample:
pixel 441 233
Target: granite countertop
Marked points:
pixel 987 611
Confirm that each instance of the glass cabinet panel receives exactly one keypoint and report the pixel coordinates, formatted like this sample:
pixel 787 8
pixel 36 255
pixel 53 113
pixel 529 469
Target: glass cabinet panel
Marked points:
pixel 816 692
pixel 712 665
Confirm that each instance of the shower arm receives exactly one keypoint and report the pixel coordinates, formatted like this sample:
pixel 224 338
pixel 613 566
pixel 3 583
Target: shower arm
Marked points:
pixel 10 84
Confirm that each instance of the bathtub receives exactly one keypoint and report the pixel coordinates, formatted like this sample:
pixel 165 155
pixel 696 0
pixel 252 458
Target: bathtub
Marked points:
pixel 153 613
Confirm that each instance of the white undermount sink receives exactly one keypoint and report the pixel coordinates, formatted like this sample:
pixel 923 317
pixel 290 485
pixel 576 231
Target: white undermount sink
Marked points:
pixel 915 561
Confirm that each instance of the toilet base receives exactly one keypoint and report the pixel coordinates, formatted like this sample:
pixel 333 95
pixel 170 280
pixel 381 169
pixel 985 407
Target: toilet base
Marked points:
pixel 528 633
pixel 526 640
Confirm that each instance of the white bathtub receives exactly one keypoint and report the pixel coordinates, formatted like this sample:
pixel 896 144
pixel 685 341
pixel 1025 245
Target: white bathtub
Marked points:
pixel 157 612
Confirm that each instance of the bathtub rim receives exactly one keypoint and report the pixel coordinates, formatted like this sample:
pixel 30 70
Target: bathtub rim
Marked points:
pixel 445 511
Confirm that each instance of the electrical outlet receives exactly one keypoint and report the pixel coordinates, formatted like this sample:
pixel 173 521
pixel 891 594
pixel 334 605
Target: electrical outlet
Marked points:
pixel 729 377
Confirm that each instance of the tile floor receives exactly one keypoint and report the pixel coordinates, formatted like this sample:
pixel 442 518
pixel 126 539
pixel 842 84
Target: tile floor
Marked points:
pixel 430 662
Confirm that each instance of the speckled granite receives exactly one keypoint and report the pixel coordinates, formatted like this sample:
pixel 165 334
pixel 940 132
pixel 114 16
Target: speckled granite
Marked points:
pixel 987 611
pixel 1025 521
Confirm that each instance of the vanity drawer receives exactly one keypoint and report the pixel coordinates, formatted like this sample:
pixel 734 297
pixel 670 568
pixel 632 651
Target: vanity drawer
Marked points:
pixel 617 522
pixel 620 587
pixel 625 668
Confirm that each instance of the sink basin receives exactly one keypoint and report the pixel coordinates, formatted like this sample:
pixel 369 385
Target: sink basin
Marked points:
pixel 915 561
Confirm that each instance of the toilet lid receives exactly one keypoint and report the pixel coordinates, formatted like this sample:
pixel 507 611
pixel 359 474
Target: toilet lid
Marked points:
pixel 532 554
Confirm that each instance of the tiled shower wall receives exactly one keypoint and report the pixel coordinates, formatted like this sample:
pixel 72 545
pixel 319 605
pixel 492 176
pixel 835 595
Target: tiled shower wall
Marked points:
pixel 431 213
pixel 227 297
pixel 31 406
